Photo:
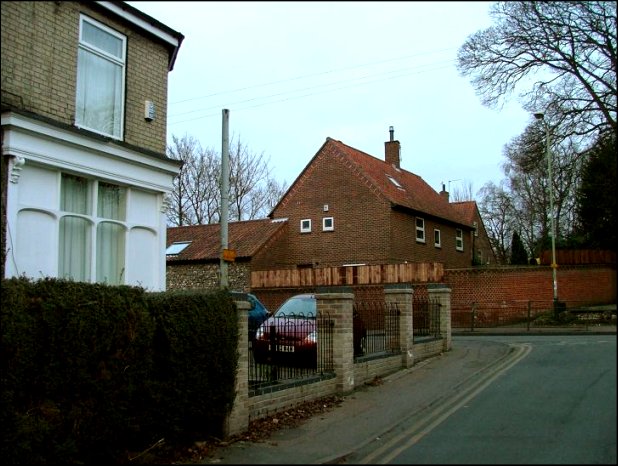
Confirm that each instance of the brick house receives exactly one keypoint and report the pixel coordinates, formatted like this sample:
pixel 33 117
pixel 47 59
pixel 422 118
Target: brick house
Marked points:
pixel 194 252
pixel 482 252
pixel 348 207
pixel 84 171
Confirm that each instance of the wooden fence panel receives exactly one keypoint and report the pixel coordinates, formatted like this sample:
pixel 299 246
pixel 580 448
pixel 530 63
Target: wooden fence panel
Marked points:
pixel 424 272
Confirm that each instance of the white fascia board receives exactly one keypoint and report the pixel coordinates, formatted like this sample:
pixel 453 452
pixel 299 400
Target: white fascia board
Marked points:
pixel 140 23
pixel 145 25
pixel 44 144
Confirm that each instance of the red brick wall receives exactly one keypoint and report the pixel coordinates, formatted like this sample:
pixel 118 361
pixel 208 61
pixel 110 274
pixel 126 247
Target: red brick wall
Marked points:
pixel 405 247
pixel 274 252
pixel 577 285
pixel 360 217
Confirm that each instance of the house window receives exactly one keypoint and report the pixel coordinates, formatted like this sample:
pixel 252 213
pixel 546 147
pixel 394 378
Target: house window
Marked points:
pixel 75 230
pixel 176 248
pixel 305 225
pixel 459 239
pixel 328 224
pixel 101 61
pixel 111 205
pixel 80 229
pixel 437 242
pixel 420 230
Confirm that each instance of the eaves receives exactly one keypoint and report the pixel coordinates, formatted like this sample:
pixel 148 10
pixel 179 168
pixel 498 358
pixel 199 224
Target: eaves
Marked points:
pixel 427 215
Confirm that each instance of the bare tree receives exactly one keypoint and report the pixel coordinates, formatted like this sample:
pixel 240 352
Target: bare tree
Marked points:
pixel 252 189
pixel 196 199
pixel 205 195
pixel 499 216
pixel 527 188
pixel 562 55
pixel 179 210
pixel 465 193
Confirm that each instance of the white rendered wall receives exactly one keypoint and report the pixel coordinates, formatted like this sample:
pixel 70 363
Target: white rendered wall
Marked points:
pixel 38 154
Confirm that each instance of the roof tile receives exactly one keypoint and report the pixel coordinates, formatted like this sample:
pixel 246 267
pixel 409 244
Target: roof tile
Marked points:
pixel 409 191
pixel 245 237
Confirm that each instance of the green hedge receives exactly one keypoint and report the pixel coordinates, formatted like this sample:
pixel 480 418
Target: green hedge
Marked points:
pixel 96 373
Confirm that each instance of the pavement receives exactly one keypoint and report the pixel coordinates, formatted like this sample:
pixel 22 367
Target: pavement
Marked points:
pixel 590 329
pixel 581 326
pixel 372 410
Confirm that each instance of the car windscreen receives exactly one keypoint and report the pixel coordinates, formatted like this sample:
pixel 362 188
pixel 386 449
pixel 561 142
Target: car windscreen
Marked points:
pixel 297 307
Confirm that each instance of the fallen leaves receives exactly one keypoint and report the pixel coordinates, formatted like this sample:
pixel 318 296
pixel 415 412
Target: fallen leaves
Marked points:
pixel 259 430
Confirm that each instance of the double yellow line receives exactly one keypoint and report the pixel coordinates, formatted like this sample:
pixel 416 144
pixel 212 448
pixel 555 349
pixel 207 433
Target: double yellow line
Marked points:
pixel 392 448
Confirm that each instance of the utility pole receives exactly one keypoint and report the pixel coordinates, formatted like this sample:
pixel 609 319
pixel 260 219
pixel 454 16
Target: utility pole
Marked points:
pixel 225 181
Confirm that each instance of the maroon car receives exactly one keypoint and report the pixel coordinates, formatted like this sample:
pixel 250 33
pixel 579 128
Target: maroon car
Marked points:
pixel 289 336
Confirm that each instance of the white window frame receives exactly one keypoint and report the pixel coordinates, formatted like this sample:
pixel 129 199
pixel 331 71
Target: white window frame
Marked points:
pixel 305 225
pixel 102 235
pixel 326 227
pixel 437 238
pixel 420 230
pixel 116 130
pixel 459 239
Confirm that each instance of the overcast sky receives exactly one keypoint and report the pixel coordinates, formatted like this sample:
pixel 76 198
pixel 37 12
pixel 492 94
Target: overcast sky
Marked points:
pixel 294 73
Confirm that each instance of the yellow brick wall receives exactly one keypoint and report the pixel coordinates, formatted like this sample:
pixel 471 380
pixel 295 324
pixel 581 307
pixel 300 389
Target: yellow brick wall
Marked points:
pixel 39 67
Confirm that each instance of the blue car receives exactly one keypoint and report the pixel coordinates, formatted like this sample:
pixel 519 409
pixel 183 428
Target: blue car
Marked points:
pixel 257 313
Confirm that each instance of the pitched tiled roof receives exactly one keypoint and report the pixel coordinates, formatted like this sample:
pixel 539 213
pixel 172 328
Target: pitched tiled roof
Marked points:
pixel 245 237
pixel 467 209
pixel 400 186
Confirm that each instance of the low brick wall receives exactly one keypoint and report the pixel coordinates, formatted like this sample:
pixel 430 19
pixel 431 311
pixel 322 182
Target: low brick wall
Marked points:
pixel 427 350
pixel 366 371
pixel 261 406
pixel 347 374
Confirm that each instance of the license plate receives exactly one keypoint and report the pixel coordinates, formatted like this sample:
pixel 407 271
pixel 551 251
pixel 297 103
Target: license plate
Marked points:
pixel 283 348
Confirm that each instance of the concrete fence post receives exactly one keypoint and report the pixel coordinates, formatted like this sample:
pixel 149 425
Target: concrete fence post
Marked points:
pixel 401 295
pixel 237 420
pixel 339 307
pixel 442 294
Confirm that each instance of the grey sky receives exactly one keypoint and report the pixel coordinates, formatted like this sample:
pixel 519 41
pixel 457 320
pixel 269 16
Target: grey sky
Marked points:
pixel 294 73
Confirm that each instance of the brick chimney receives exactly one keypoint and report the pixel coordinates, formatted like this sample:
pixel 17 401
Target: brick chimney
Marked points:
pixel 444 193
pixel 392 150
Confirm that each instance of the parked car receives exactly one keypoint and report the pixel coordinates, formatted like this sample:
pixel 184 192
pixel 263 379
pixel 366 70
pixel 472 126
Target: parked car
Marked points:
pixel 289 335
pixel 257 312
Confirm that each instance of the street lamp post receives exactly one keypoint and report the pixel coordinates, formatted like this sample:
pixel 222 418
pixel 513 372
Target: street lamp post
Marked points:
pixel 554 266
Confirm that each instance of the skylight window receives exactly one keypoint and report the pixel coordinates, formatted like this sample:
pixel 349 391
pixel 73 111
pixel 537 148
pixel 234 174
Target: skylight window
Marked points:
pixel 394 181
pixel 176 248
